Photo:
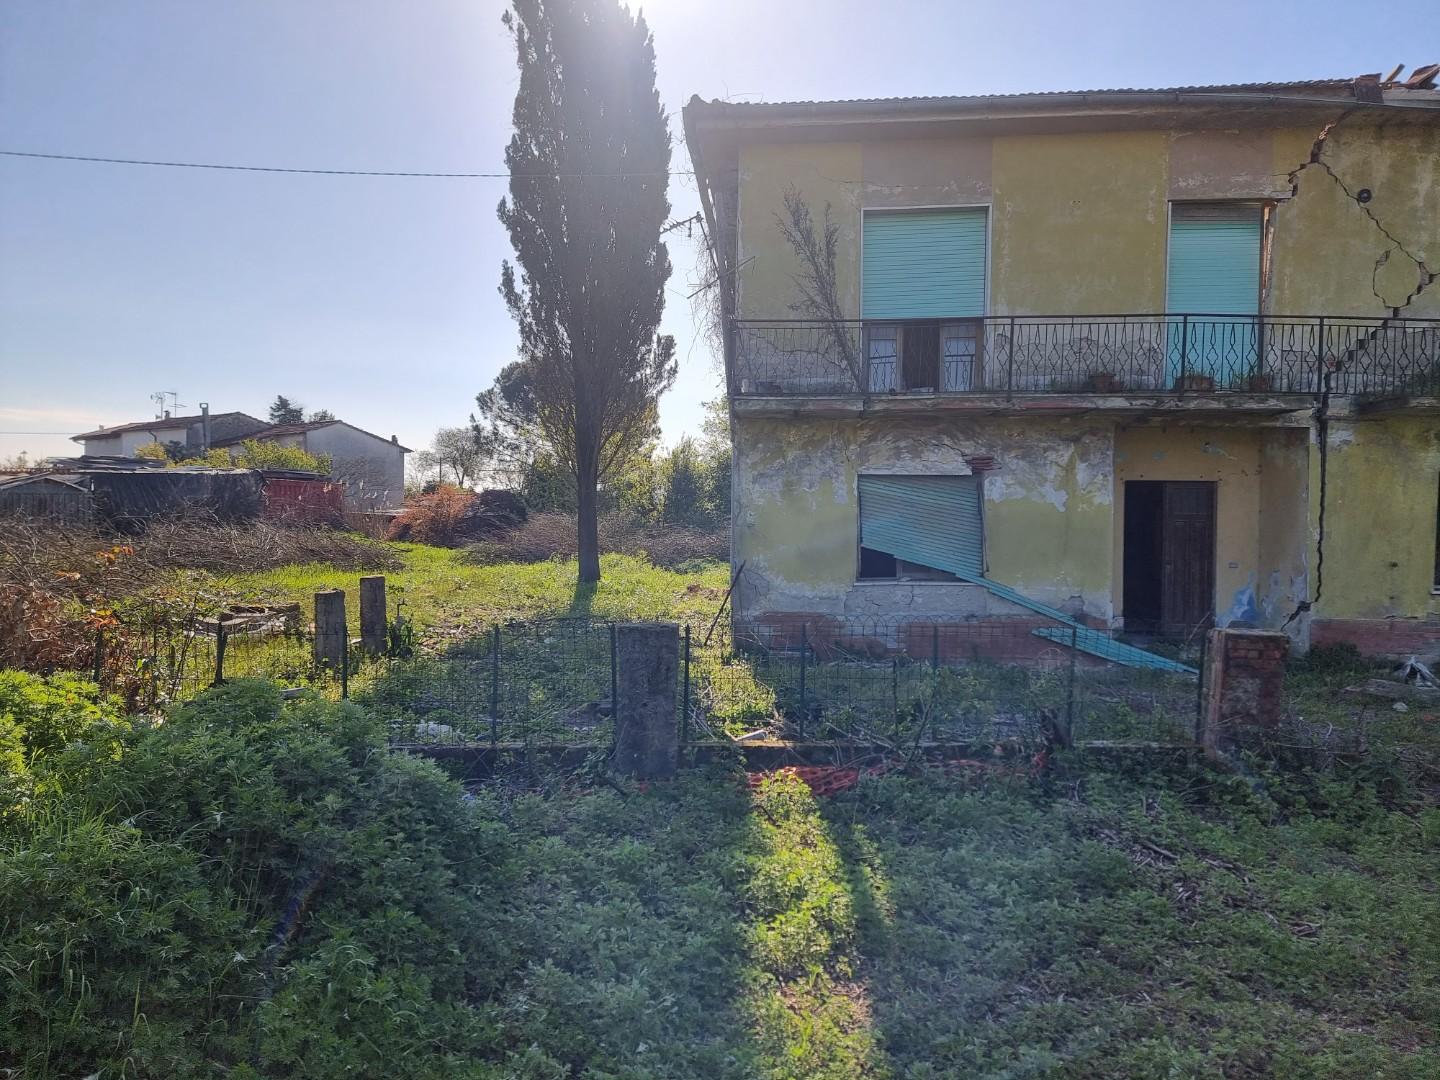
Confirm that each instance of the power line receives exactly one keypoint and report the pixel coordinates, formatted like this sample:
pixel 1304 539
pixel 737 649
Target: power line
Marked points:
pixel 345 172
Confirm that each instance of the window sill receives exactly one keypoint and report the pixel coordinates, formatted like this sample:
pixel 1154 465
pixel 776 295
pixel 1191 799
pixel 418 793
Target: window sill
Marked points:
pixel 913 581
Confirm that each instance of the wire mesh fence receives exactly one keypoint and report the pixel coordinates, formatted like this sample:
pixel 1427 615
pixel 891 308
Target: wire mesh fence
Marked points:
pixel 898 680
pixel 887 681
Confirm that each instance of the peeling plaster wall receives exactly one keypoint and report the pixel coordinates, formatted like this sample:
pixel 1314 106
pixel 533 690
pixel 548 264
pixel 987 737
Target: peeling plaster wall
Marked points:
pixel 1380 519
pixel 1048 516
pixel 1231 458
pixel 1079 224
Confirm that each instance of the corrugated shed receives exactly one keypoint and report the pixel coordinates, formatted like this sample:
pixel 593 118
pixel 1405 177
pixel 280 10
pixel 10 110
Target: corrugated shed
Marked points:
pixel 129 499
pixel 45 497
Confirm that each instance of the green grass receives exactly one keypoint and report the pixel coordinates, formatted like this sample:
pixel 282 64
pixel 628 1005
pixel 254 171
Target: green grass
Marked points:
pixel 935 927
pixel 450 597
pixel 257 889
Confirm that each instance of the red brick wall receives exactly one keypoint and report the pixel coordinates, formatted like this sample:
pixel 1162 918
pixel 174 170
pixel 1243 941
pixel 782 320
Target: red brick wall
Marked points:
pixel 1378 637
pixel 1244 684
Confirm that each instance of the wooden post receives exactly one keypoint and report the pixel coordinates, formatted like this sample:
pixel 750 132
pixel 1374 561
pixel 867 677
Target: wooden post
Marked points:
pixel 647 673
pixel 373 622
pixel 330 630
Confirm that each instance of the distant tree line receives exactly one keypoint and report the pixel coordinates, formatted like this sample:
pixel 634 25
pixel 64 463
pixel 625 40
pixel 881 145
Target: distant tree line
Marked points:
pixel 685 484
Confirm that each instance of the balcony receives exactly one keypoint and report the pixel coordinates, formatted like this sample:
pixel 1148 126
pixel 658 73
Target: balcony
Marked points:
pixel 1268 363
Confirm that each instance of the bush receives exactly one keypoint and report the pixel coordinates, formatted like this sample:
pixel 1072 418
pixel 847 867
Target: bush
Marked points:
pixel 433 517
pixel 548 536
pixel 447 516
pixel 49 713
pixel 250 886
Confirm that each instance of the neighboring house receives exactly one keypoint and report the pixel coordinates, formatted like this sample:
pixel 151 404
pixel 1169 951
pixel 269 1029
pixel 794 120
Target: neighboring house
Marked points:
pixel 191 432
pixel 372 468
pixel 1145 356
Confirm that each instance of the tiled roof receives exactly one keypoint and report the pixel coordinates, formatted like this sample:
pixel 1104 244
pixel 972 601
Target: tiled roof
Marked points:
pixel 160 424
pixel 301 429
pixel 1217 88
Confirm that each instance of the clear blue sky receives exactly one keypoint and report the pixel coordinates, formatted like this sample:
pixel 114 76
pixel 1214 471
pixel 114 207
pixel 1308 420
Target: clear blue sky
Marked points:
pixel 376 298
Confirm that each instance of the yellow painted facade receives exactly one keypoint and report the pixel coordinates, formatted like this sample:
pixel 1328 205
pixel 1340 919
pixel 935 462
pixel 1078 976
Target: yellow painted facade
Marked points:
pixel 1079 225
pixel 1380 512
pixel 1049 522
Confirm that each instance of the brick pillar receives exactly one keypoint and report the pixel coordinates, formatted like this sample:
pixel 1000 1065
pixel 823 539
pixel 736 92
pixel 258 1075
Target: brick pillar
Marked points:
pixel 1245 682
pixel 647 739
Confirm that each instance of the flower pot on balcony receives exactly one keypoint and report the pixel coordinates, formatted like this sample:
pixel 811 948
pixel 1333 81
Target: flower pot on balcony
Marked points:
pixel 1260 384
pixel 1200 384
pixel 1103 382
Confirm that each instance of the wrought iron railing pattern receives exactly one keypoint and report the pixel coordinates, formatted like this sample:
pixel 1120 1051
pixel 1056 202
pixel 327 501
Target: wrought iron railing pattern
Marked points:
pixel 1090 354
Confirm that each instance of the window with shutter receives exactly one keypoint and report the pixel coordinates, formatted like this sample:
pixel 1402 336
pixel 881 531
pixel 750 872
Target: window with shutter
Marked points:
pixel 921 527
pixel 1214 271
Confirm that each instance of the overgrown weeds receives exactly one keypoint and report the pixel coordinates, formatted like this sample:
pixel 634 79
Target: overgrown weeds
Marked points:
pixel 551 535
pixel 253 889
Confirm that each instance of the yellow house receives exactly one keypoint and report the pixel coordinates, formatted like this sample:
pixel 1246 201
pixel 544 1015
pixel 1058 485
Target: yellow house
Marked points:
pixel 1160 359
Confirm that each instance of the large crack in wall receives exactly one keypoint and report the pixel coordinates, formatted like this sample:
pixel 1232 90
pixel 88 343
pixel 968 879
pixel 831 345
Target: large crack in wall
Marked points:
pixel 1424 276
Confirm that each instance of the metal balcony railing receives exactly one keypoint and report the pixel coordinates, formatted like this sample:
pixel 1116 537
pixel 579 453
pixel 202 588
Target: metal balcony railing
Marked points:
pixel 1138 355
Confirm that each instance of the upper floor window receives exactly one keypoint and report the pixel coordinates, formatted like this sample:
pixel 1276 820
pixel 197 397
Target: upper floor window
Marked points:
pixel 1214 265
pixel 922 277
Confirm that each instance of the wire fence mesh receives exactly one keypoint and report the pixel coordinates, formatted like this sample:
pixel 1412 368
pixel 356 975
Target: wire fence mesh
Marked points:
pixel 898 680
pixel 887 681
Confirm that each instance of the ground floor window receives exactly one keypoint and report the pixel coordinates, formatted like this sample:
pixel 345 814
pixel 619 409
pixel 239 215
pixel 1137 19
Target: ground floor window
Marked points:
pixel 921 528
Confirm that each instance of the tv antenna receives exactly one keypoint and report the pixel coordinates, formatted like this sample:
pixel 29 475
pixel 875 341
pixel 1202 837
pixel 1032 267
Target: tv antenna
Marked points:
pixel 160 397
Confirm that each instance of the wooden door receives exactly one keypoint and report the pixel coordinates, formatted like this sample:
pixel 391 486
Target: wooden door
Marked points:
pixel 1187 572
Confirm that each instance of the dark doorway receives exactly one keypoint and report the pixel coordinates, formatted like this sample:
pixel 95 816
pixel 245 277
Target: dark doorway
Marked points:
pixel 1169 556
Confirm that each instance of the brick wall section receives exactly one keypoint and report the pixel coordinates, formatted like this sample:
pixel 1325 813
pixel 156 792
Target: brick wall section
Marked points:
pixel 1394 638
pixel 1245 685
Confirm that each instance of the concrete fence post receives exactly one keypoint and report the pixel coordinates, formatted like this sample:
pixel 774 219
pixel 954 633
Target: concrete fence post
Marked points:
pixel 373 622
pixel 1245 685
pixel 330 630
pixel 647 661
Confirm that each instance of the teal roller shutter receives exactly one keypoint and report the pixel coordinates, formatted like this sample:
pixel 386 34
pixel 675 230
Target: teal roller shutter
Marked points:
pixel 1214 270
pixel 923 264
pixel 1214 260
pixel 931 520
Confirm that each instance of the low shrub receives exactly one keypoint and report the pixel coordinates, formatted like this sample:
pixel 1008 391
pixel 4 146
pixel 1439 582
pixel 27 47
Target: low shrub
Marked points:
pixel 552 535
pixel 250 888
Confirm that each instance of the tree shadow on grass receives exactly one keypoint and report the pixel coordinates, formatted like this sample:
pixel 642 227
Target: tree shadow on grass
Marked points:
pixel 636 950
pixel 582 602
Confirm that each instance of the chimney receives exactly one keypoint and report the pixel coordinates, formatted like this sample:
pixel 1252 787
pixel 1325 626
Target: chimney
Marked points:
pixel 395 439
pixel 167 415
